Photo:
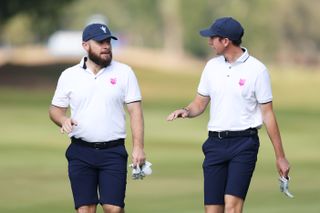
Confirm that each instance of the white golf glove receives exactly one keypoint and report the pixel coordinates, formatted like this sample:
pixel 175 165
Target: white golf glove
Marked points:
pixel 139 172
pixel 284 186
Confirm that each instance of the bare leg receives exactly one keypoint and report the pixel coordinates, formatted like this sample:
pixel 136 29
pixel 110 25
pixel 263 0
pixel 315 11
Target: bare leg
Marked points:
pixel 233 204
pixel 112 209
pixel 87 209
pixel 214 208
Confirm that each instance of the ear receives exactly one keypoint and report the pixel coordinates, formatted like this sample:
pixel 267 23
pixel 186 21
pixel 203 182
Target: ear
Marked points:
pixel 85 45
pixel 226 42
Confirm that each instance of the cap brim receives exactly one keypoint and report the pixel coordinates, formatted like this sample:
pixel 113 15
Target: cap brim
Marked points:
pixel 207 33
pixel 103 37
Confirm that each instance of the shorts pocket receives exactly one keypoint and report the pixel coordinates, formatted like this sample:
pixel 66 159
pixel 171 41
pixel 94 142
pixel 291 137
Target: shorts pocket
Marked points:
pixel 67 153
pixel 122 151
pixel 205 145
pixel 255 141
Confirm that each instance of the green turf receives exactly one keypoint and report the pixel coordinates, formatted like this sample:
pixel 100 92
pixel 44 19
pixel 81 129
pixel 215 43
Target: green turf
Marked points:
pixel 33 170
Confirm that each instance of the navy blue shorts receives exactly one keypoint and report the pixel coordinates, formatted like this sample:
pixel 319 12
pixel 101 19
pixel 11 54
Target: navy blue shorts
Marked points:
pixel 97 175
pixel 228 167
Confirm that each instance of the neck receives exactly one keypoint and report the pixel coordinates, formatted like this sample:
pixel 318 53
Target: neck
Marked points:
pixel 233 53
pixel 95 68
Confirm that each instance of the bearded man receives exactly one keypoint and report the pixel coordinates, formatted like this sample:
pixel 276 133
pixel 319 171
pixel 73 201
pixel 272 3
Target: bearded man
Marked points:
pixel 96 91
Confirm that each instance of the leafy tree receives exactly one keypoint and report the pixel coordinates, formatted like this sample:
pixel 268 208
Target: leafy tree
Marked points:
pixel 44 14
pixel 274 29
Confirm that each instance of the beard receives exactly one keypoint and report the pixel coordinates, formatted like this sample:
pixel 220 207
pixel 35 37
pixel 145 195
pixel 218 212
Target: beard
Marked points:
pixel 102 62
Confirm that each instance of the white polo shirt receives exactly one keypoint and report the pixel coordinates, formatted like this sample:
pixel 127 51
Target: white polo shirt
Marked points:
pixel 235 90
pixel 97 101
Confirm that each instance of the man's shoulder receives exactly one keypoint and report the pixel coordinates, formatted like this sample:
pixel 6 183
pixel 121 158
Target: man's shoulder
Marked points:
pixel 121 68
pixel 214 63
pixel 120 65
pixel 217 59
pixel 256 63
pixel 71 70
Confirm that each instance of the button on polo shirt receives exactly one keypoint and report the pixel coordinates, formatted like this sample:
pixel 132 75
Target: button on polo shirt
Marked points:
pixel 97 101
pixel 235 90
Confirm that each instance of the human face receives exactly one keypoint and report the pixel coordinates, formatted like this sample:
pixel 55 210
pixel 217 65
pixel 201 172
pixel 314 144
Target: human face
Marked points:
pixel 218 44
pixel 100 52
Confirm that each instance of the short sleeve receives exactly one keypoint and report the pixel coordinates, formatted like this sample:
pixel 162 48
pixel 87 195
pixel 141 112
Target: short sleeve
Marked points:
pixel 60 98
pixel 132 93
pixel 263 87
pixel 203 88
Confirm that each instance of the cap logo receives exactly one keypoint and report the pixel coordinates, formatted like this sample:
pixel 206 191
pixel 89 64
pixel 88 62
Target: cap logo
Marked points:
pixel 104 29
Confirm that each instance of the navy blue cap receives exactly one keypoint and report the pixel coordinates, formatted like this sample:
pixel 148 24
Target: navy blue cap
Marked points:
pixel 225 27
pixel 97 32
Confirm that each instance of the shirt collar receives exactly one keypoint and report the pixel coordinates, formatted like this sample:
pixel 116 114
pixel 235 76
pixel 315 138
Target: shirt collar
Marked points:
pixel 83 63
pixel 242 58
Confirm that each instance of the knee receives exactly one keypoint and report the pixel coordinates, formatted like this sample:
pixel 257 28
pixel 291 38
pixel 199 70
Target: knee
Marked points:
pixel 233 208
pixel 87 209
pixel 230 208
pixel 233 204
pixel 112 209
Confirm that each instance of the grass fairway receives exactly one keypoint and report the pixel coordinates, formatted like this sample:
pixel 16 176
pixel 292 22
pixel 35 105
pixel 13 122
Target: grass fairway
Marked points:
pixel 33 170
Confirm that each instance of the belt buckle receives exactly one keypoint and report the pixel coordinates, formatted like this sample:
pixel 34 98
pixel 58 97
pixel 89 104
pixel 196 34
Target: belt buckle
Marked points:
pixel 96 146
pixel 219 136
pixel 223 134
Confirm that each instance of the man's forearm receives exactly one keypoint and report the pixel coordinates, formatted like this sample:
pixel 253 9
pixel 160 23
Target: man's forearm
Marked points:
pixel 137 128
pixel 57 115
pixel 197 106
pixel 137 124
pixel 274 135
pixel 193 110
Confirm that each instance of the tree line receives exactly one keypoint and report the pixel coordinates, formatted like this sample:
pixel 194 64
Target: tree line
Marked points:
pixel 278 30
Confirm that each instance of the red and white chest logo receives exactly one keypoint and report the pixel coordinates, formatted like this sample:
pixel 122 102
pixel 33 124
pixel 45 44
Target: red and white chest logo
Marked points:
pixel 113 81
pixel 242 82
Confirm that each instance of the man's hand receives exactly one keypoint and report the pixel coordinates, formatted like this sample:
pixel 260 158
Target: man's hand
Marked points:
pixel 67 125
pixel 283 167
pixel 138 156
pixel 179 113
pixel 194 109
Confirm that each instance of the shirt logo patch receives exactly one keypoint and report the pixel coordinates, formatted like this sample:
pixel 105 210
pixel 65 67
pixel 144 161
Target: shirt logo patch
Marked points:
pixel 113 81
pixel 242 82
